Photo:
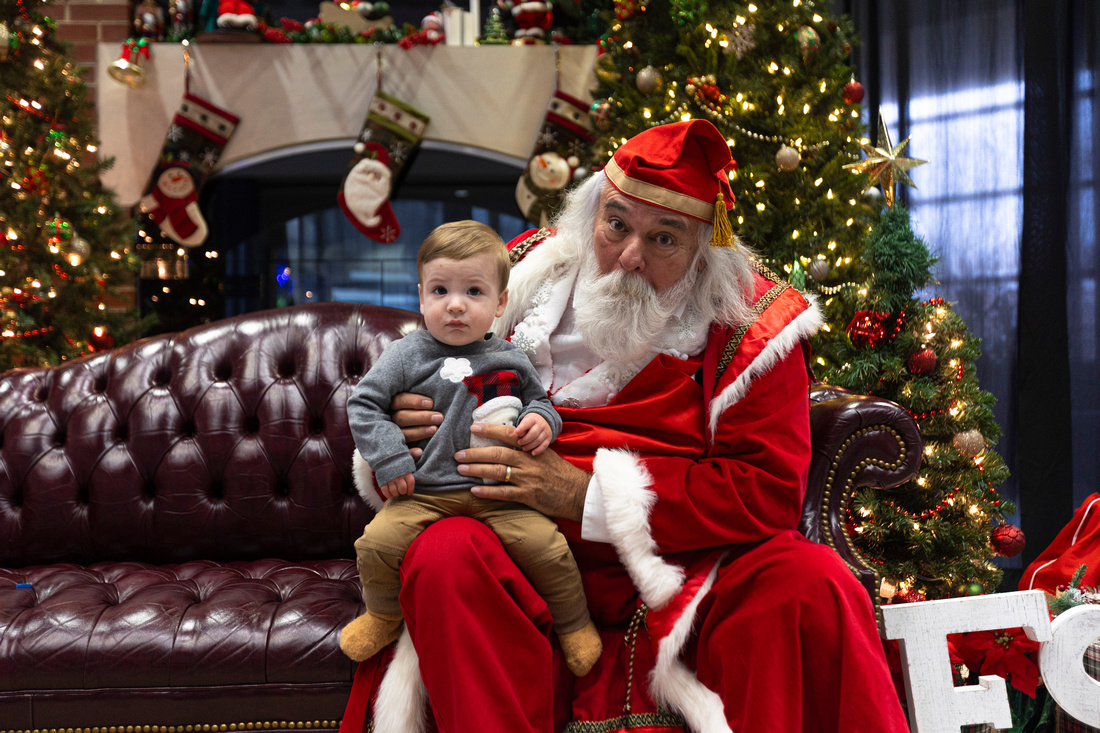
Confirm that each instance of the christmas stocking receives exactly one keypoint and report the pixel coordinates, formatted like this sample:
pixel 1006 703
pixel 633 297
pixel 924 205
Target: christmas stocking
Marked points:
pixel 387 142
pixel 566 132
pixel 196 139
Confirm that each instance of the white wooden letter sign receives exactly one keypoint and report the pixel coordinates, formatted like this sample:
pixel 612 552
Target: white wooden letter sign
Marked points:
pixel 1063 669
pixel 937 706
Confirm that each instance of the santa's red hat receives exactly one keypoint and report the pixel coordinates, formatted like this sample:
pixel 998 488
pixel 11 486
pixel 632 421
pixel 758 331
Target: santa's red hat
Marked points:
pixel 681 167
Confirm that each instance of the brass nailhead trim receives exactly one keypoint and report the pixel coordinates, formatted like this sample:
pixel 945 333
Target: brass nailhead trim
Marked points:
pixel 193 728
pixel 849 489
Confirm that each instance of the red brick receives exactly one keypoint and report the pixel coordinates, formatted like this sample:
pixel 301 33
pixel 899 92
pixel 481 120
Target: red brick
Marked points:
pixel 111 32
pixel 73 32
pixel 83 53
pixel 99 12
pixel 90 83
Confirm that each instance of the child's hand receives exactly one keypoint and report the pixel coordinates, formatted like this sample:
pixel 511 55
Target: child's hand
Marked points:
pixel 534 433
pixel 402 485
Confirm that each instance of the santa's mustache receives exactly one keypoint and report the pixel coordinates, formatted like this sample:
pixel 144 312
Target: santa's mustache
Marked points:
pixel 620 315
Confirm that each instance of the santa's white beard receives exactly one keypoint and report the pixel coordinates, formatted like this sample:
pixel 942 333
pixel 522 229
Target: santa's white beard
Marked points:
pixel 366 188
pixel 620 316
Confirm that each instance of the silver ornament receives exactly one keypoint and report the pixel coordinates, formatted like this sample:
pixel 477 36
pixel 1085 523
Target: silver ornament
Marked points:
pixel 648 80
pixel 819 270
pixel 787 159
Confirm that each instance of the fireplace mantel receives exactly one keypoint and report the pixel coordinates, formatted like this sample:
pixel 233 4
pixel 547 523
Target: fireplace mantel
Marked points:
pixel 488 100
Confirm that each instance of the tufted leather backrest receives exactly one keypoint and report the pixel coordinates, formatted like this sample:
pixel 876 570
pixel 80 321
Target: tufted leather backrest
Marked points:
pixel 228 441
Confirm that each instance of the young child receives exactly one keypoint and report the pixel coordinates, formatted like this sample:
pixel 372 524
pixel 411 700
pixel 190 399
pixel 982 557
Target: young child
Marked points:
pixel 471 376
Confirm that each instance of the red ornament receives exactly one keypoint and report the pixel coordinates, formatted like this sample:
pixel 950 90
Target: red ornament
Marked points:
pixel 100 340
pixel 1007 540
pixel 921 362
pixel 910 596
pixel 624 9
pixel 853 92
pixel 865 329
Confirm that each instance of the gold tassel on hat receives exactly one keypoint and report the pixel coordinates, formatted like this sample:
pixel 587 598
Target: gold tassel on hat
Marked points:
pixel 723 232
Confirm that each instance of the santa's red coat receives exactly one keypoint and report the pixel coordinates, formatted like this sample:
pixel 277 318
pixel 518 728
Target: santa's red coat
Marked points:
pixel 714 610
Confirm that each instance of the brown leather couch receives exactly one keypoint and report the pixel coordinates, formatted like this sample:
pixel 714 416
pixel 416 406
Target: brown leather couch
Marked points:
pixel 177 519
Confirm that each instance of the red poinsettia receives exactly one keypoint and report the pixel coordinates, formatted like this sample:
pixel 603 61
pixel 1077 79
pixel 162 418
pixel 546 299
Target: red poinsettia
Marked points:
pixel 1007 653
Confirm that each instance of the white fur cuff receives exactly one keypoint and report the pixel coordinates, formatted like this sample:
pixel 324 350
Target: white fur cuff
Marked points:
pixel 402 702
pixel 363 476
pixel 628 500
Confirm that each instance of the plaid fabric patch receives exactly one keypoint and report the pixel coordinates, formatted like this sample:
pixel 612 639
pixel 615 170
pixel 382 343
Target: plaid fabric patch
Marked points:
pixel 491 385
pixel 1066 724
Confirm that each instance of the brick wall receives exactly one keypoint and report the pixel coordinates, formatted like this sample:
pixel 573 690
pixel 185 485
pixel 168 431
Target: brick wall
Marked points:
pixel 84 23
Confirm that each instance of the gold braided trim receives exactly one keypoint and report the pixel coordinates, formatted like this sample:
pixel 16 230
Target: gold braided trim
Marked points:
pixel 758 309
pixel 849 490
pixel 192 728
pixel 517 253
pixel 626 722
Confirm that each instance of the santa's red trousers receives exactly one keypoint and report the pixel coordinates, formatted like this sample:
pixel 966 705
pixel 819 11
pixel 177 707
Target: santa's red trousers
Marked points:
pixel 786 637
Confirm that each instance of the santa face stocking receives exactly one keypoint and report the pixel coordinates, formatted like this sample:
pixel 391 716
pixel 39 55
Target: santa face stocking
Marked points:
pixel 194 142
pixel 389 138
pixel 566 131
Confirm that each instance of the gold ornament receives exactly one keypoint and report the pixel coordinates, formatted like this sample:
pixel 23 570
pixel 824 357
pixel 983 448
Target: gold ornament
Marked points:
pixel 5 41
pixel 127 72
pixel 969 443
pixel 884 164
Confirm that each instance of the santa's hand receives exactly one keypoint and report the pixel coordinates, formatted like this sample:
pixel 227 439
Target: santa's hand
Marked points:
pixel 400 486
pixel 534 433
pixel 413 414
pixel 546 482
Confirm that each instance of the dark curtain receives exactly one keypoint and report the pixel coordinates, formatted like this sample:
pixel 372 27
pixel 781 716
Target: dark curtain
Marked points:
pixel 999 97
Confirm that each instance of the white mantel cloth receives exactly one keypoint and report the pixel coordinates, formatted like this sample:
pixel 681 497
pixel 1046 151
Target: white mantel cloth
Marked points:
pixel 295 97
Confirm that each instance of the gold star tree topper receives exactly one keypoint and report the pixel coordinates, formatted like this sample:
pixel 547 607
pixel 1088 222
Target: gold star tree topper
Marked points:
pixel 885 165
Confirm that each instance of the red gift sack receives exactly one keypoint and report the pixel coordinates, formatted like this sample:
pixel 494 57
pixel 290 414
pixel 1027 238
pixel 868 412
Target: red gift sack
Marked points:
pixel 1077 544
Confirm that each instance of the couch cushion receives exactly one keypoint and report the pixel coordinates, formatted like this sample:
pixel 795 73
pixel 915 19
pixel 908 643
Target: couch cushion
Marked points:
pixel 202 623
pixel 228 441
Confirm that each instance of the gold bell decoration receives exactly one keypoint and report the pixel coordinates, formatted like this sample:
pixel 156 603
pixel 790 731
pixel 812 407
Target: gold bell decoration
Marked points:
pixel 127 70
pixel 5 41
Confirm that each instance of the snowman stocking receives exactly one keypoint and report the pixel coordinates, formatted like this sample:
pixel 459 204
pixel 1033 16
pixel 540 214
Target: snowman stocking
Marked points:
pixel 566 132
pixel 387 142
pixel 195 140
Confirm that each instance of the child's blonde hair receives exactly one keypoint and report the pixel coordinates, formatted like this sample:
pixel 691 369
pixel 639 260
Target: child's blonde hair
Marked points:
pixel 461 240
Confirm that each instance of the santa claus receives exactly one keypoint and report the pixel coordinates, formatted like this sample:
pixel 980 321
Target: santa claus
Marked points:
pixel 678 365
pixel 365 192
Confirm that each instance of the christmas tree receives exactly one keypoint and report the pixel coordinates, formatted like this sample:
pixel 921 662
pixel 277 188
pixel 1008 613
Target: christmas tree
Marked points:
pixel 774 78
pixel 66 242
pixel 494 32
pixel 776 81
pixel 931 537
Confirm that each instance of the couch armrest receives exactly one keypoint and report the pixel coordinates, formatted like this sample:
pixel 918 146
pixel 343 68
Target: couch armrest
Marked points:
pixel 857 440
